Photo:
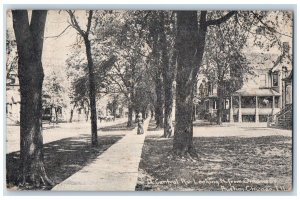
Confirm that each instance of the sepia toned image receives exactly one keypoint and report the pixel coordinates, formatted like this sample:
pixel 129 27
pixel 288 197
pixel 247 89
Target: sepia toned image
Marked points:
pixel 149 100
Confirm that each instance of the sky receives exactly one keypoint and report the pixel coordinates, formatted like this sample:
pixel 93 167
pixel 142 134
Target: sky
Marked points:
pixel 55 49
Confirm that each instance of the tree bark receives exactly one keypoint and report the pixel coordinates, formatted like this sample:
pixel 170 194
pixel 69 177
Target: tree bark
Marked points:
pixel 72 112
pixel 220 103
pixel 159 109
pixel 29 39
pixel 92 91
pixel 92 88
pixel 190 47
pixel 130 113
pixel 71 116
pixel 51 115
pixel 168 78
pixel 56 115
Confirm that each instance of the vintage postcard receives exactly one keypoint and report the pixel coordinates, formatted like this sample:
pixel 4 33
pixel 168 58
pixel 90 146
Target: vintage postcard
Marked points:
pixel 149 100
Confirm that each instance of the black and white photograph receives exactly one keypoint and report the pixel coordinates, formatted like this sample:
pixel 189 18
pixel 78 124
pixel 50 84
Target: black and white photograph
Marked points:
pixel 156 100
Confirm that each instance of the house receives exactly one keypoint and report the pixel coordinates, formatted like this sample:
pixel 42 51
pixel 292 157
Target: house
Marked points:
pixel 264 93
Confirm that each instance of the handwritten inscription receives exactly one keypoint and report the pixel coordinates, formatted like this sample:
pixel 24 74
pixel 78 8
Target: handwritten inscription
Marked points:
pixel 225 184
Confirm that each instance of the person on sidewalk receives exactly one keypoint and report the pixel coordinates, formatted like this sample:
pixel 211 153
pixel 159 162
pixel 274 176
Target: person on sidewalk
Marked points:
pixel 140 122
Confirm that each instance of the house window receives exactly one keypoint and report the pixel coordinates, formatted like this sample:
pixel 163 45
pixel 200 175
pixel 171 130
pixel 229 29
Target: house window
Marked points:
pixel 248 102
pixel 214 106
pixel 262 80
pixel 263 118
pixel 235 102
pixel 201 91
pixel 12 81
pixel 275 79
pixel 248 118
pixel 265 102
pixel 210 89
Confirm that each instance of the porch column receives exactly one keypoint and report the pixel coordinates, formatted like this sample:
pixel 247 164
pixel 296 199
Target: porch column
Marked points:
pixel 256 110
pixel 240 109
pixel 280 82
pixel 231 111
pixel 273 106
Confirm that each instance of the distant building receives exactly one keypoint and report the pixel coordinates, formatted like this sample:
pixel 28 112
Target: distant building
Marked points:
pixel 13 101
pixel 13 104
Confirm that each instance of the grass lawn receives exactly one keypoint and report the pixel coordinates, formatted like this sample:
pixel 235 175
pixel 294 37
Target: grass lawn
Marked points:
pixel 224 164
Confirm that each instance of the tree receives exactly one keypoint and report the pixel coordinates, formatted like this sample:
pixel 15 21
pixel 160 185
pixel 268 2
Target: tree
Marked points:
pixel 157 24
pixel 78 76
pixel 189 43
pixel 129 72
pixel 155 30
pixel 55 93
pixel 168 62
pixel 224 62
pixel 128 77
pixel 92 91
pixel 29 39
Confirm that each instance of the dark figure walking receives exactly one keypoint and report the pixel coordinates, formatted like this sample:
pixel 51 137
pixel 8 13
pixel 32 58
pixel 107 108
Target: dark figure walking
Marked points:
pixel 140 122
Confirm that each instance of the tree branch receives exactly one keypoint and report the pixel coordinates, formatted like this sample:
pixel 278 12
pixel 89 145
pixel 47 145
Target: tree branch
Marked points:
pixel 57 36
pixel 271 29
pixel 74 23
pixel 88 27
pixel 221 19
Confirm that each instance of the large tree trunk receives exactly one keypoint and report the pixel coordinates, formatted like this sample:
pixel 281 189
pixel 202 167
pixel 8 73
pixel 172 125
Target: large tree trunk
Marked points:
pixel 168 78
pixel 56 115
pixel 130 106
pixel 51 115
pixel 220 103
pixel 71 116
pixel 190 46
pixel 72 112
pixel 30 72
pixel 87 114
pixel 159 109
pixel 130 113
pixel 92 91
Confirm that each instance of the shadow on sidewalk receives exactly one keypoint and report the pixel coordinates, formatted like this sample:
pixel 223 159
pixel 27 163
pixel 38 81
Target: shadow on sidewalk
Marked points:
pixel 62 158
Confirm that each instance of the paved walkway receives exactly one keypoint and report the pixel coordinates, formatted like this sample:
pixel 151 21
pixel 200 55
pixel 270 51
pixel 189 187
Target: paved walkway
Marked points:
pixel 114 170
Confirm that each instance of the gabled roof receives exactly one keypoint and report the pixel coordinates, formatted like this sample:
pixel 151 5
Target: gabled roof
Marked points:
pixel 283 59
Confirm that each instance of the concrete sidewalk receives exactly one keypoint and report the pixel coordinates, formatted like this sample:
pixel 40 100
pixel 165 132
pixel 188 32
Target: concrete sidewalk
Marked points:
pixel 114 170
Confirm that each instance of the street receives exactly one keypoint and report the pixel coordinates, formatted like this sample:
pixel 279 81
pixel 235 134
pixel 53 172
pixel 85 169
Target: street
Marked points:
pixel 59 131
